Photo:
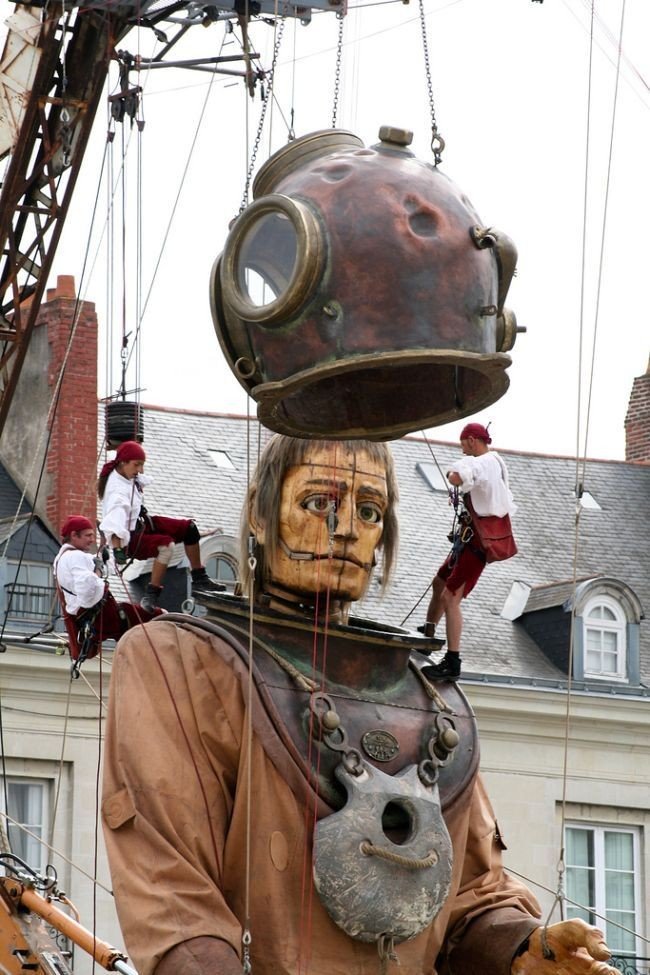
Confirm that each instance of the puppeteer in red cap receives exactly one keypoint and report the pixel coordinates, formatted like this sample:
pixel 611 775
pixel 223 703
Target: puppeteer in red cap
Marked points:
pixel 129 450
pixel 476 430
pixel 75 523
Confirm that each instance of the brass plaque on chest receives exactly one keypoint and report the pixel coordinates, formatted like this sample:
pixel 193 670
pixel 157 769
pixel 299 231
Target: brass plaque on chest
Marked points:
pixel 380 745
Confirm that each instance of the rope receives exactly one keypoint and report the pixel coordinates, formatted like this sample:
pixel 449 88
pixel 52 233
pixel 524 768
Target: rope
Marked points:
pixel 56 852
pixel 583 907
pixel 409 863
pixel 559 894
pixel 603 230
pixel 430 690
pixel 173 210
pixel 246 935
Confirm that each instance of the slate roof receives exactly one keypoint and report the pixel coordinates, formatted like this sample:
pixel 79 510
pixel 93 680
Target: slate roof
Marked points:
pixel 613 541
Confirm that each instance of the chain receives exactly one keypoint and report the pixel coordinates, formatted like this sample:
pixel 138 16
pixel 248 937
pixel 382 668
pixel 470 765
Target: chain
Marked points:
pixel 437 141
pixel 328 726
pixel 337 72
pixel 265 103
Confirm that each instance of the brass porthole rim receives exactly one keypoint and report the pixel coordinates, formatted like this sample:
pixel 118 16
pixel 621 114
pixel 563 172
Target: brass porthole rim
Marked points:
pixel 270 396
pixel 307 268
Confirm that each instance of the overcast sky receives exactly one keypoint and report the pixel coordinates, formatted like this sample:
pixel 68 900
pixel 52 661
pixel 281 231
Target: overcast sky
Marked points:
pixel 510 81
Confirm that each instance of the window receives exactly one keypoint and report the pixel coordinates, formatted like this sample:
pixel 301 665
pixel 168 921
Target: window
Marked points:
pixel 28 806
pixel 604 639
pixel 221 459
pixel 223 568
pixel 602 877
pixel 588 501
pixel 433 476
pixel 30 592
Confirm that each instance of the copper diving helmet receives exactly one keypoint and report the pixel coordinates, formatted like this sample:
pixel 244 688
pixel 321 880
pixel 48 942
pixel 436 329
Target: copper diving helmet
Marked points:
pixel 359 295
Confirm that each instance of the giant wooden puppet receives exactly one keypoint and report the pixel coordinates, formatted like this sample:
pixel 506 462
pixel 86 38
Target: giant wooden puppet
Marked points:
pixel 287 794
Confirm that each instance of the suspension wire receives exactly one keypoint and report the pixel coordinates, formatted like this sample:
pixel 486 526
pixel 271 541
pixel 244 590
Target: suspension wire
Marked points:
pixel 584 907
pixel 611 40
pixel 603 231
pixel 64 738
pixel 437 142
pixel 39 839
pixel 292 131
pixel 123 260
pixel 560 896
pixel 44 445
pixel 256 144
pixel 246 932
pixel 270 94
pixel 110 257
pixel 450 494
pixel 139 244
pixel 174 209
pixel 337 71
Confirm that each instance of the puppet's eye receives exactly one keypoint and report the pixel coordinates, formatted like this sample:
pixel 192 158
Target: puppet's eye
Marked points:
pixel 369 512
pixel 319 504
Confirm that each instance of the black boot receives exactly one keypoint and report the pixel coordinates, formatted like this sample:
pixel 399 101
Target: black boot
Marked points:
pixel 447 669
pixel 150 599
pixel 428 629
pixel 202 583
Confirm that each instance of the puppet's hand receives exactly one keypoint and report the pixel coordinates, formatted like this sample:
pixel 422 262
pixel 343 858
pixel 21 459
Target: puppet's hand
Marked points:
pixel 572 948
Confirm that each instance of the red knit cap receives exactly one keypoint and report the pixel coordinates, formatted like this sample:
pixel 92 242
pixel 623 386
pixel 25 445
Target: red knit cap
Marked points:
pixel 130 450
pixel 75 523
pixel 476 430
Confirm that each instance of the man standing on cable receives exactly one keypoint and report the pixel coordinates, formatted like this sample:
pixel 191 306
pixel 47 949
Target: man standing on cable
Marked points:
pixel 132 533
pixel 482 478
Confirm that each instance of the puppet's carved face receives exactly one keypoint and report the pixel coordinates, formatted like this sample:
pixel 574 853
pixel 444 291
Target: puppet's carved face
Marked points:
pixel 331 513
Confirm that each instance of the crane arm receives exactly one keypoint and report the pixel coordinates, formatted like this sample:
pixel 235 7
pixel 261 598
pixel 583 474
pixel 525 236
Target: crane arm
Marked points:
pixel 51 78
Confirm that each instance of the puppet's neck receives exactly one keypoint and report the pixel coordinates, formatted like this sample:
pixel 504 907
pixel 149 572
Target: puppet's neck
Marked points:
pixel 318 607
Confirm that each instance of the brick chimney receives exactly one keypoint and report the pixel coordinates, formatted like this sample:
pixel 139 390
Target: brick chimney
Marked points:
pixel 637 421
pixel 68 485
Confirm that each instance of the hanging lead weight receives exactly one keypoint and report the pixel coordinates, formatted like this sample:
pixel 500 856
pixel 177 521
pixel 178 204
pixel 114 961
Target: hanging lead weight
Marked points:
pixel 369 884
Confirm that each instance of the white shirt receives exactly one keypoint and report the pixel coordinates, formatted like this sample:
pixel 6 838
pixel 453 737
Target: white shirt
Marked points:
pixel 486 478
pixel 74 571
pixel 121 505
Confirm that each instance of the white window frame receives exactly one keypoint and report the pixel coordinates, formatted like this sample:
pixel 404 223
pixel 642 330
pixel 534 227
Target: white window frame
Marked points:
pixel 618 626
pixel 40 861
pixel 597 910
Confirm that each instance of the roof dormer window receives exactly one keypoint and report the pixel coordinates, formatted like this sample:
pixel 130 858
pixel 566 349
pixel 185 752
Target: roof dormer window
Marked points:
pixel 605 644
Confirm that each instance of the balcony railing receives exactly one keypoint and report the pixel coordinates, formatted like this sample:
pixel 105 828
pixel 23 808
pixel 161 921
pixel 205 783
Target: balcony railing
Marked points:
pixel 30 602
pixel 631 964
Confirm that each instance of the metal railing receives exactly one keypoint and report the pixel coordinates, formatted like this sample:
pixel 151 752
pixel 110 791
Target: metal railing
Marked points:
pixel 29 602
pixel 631 964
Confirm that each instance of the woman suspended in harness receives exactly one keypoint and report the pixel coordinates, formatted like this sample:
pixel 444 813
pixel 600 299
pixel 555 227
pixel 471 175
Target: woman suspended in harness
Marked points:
pixel 132 533
pixel 90 611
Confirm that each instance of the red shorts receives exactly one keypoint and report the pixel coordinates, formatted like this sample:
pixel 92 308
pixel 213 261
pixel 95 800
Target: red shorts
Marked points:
pixel 466 570
pixel 107 624
pixel 145 544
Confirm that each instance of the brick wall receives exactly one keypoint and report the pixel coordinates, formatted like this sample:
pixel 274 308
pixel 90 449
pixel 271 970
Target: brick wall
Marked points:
pixel 72 455
pixel 637 421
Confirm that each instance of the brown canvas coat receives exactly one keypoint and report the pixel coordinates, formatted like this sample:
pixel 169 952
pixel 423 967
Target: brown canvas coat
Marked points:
pixel 181 772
